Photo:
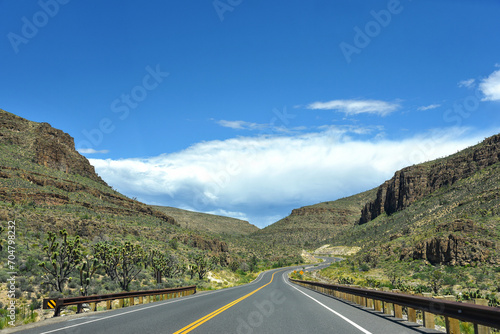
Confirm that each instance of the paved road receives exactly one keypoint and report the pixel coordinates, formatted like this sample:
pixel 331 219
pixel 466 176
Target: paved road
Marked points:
pixel 270 304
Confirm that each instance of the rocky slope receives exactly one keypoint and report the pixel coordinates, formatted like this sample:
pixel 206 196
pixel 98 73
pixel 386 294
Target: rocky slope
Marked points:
pixel 40 166
pixel 415 182
pixel 456 225
pixel 310 226
pixel 44 145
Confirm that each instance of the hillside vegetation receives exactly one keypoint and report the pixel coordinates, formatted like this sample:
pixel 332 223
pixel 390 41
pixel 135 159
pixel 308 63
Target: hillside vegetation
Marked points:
pixel 207 222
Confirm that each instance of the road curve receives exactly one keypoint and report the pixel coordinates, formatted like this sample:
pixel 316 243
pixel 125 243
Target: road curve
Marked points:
pixel 270 304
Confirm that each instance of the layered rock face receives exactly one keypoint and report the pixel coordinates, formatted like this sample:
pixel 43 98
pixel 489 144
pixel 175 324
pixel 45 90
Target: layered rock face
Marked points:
pixel 415 182
pixel 39 143
pixel 460 247
pixel 452 250
pixel 213 245
pixel 56 149
pixel 47 146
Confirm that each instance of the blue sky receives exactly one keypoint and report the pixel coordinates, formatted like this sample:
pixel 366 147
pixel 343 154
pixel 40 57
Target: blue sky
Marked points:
pixel 253 108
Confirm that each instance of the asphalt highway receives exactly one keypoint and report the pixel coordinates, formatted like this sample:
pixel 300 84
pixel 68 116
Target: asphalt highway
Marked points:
pixel 270 304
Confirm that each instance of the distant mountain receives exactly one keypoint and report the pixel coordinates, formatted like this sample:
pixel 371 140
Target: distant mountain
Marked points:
pixel 310 226
pixel 208 223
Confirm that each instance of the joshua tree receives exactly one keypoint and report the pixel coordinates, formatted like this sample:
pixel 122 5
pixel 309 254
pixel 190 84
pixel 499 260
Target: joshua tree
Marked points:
pixel 130 260
pixel 63 255
pixel 201 264
pixel 87 269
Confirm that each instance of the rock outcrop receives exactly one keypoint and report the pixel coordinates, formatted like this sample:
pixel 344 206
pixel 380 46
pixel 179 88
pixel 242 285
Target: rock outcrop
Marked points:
pixel 458 245
pixel 213 245
pixel 413 183
pixel 45 145
pixel 34 143
pixel 56 149
pixel 451 250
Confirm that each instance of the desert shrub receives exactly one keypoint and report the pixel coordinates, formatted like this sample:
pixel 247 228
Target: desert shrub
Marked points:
pixel 55 294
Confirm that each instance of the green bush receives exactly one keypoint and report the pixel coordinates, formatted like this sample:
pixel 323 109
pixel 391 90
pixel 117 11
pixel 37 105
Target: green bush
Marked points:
pixel 364 267
pixel 55 294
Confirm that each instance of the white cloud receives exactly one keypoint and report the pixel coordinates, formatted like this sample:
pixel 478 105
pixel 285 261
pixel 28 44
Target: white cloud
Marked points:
pixel 431 106
pixel 263 128
pixel 354 107
pixel 241 125
pixel 232 214
pixel 467 83
pixel 491 87
pixel 262 177
pixel 92 151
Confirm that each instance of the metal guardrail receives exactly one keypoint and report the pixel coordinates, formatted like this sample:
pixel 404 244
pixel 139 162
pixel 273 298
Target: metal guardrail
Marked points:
pixel 476 314
pixel 57 303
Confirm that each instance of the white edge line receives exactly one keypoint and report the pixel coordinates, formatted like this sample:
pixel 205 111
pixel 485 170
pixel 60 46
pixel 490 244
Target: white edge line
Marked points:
pixel 329 309
pixel 259 278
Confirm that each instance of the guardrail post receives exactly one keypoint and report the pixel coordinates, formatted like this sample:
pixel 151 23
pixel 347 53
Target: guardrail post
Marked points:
pixel 386 306
pixel 412 313
pixel 109 304
pixel 93 307
pixel 369 302
pixel 398 309
pixel 356 299
pixel 131 301
pixel 140 300
pixel 480 329
pixel 428 317
pixel 452 325
pixel 57 311
pixel 120 303
pixel 377 304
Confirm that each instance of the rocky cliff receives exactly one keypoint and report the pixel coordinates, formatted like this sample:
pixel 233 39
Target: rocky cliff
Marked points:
pixel 415 182
pixel 45 145
pixel 26 146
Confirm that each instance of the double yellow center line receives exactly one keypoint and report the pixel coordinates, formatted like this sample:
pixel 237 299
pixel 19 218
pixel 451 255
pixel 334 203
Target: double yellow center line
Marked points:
pixel 201 321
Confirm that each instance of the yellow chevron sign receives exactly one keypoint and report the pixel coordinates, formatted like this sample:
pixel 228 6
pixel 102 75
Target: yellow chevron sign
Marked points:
pixel 51 303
